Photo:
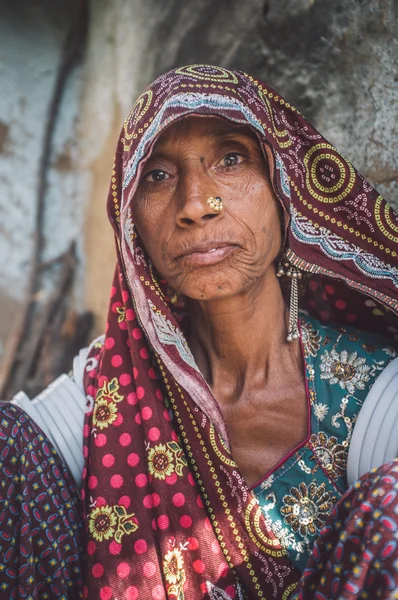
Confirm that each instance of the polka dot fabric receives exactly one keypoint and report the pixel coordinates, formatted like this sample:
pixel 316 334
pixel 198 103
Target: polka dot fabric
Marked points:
pixel 168 513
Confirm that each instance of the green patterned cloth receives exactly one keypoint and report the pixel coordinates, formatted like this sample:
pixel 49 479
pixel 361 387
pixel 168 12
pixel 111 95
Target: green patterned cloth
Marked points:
pixel 341 364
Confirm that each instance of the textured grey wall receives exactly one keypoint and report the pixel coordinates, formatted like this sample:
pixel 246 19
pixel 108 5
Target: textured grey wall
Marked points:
pixel 31 40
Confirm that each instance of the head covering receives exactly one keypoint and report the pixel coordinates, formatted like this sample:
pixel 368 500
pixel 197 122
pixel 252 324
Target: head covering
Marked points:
pixel 168 512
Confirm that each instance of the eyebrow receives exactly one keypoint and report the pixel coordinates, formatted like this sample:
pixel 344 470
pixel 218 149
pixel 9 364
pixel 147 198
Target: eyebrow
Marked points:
pixel 212 134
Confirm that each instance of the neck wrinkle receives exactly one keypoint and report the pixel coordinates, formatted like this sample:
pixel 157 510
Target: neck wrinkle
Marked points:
pixel 239 342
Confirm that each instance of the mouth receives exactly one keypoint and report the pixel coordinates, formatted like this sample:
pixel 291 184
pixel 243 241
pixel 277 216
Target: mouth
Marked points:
pixel 207 253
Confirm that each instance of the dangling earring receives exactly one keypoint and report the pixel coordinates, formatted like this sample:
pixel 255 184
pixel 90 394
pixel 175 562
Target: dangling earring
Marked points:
pixel 286 268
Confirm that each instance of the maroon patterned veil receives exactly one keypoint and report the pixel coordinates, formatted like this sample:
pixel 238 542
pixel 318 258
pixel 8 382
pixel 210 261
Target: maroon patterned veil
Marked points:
pixel 168 513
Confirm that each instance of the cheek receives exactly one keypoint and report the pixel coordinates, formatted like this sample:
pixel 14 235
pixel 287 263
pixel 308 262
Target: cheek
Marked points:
pixel 147 221
pixel 262 214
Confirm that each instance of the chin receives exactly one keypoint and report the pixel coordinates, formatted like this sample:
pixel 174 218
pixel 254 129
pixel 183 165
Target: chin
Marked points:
pixel 203 287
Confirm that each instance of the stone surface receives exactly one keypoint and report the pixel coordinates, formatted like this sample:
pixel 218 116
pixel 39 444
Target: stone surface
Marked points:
pixel 31 40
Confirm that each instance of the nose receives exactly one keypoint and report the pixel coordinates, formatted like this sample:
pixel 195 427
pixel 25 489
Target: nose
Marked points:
pixel 192 206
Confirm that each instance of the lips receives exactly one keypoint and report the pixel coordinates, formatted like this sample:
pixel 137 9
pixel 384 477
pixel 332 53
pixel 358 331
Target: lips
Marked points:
pixel 207 252
pixel 205 246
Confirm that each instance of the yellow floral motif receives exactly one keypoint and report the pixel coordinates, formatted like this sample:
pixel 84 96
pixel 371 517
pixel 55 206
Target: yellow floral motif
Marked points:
pixel 127 523
pixel 173 566
pixel 107 522
pixel 160 461
pixel 109 391
pixel 174 573
pixel 166 459
pixel 105 409
pixel 102 523
pixel 121 311
pixel 105 413
pixel 307 508
pixel 331 454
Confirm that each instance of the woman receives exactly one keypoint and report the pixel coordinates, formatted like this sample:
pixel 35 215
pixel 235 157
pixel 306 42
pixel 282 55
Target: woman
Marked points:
pixel 218 421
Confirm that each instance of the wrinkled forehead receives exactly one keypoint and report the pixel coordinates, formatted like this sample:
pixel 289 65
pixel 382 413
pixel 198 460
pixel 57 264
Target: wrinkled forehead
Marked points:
pixel 210 127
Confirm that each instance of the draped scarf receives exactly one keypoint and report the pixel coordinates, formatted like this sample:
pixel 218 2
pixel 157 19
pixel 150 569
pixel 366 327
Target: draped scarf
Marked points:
pixel 168 513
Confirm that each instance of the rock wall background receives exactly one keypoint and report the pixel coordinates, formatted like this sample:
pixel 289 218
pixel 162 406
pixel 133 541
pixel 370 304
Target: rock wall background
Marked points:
pixel 336 60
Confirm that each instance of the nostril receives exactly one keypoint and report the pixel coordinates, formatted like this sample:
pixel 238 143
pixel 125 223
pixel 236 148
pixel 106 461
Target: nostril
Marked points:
pixel 187 221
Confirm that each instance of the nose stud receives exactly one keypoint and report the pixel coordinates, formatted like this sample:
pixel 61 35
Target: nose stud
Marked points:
pixel 215 203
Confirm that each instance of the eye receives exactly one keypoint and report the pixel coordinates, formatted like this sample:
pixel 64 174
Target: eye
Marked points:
pixel 231 160
pixel 155 176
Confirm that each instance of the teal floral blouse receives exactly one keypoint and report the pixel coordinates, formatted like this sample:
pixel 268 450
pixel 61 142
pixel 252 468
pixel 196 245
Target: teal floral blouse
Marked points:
pixel 298 495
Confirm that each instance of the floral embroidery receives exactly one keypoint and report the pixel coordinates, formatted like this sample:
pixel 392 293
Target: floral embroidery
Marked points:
pixel 173 566
pixel 267 483
pixel 160 462
pixel 121 311
pixel 286 537
pixel 306 508
pixel 105 409
pixel 347 369
pixel 127 523
pixel 332 455
pixel 320 411
pixel 296 514
pixel 390 352
pixel 109 391
pixel 105 413
pixel 107 522
pixel 102 523
pixel 165 459
pixel 310 338
pixel 174 571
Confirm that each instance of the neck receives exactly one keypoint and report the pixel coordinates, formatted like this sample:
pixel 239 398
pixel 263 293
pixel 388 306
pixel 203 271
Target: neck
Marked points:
pixel 240 342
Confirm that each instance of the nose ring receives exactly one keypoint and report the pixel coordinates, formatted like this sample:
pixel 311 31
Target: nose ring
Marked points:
pixel 215 203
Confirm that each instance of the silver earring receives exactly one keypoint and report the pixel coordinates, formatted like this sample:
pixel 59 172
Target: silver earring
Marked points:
pixel 286 268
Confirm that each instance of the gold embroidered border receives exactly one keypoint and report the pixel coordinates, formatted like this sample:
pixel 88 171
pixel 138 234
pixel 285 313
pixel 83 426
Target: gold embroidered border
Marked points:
pixel 218 487
pixel 379 222
pixel 337 222
pixel 194 466
pixel 227 461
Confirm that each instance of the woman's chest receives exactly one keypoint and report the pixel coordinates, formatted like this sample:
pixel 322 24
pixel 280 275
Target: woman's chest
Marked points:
pixel 263 430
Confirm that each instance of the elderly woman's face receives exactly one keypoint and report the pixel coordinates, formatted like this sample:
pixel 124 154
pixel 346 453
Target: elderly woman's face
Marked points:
pixel 203 254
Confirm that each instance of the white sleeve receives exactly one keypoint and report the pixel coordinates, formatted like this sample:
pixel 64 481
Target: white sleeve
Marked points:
pixel 374 440
pixel 59 412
